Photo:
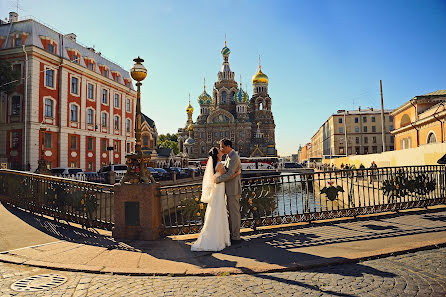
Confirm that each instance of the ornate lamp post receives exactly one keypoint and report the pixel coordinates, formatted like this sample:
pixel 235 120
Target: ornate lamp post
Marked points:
pixel 42 167
pixel 137 171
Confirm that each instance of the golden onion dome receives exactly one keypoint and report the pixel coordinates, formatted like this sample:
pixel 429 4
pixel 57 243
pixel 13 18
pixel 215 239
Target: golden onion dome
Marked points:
pixel 189 109
pixel 260 77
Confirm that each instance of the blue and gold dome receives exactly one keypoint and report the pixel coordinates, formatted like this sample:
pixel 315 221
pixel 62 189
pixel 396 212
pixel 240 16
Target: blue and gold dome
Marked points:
pixel 225 51
pixel 204 98
pixel 241 96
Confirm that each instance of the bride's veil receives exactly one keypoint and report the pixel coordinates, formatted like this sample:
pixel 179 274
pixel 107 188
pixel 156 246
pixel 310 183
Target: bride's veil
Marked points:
pixel 208 182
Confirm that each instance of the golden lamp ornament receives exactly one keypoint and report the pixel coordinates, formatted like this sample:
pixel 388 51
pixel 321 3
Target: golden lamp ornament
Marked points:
pixel 138 71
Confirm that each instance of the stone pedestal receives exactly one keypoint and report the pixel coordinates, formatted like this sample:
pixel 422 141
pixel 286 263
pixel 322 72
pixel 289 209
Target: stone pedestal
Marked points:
pixel 137 210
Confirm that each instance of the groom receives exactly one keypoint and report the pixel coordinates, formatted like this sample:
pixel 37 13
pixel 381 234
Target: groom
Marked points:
pixel 233 188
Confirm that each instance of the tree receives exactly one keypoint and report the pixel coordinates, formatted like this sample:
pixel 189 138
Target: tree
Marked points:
pixel 9 78
pixel 169 141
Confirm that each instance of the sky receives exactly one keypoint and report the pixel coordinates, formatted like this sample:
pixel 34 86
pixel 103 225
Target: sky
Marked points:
pixel 320 56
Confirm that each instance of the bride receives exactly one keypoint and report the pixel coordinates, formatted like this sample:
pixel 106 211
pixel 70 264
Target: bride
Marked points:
pixel 214 235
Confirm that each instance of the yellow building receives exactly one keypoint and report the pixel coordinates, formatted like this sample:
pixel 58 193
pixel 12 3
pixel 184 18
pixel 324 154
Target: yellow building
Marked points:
pixel 353 132
pixel 420 120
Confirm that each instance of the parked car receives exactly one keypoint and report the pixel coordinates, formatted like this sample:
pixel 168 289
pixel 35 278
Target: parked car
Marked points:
pixel 154 173
pixel 178 170
pixel 163 174
pixel 190 170
pixel 292 165
pixel 74 173
pixel 119 169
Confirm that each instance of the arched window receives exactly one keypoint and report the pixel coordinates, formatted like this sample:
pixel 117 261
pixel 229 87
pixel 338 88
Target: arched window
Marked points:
pixel 104 119
pixel 232 97
pixel 405 120
pixel 116 122
pixel 90 116
pixel 74 114
pixel 128 125
pixel 260 105
pixel 49 108
pixel 223 97
pixel 145 140
pixel 431 138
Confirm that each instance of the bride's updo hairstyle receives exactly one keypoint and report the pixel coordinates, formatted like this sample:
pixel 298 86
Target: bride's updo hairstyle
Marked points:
pixel 213 152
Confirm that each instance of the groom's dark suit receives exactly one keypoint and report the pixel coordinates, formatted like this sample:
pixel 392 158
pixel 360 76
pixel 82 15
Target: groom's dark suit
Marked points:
pixel 233 190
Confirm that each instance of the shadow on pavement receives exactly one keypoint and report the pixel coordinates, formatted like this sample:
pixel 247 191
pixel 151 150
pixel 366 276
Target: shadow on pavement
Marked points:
pixel 277 248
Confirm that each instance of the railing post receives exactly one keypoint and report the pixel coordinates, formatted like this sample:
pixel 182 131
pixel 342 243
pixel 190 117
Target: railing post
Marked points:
pixel 137 211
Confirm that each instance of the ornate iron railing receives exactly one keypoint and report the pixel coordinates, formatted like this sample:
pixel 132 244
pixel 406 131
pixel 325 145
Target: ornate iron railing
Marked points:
pixel 291 198
pixel 89 204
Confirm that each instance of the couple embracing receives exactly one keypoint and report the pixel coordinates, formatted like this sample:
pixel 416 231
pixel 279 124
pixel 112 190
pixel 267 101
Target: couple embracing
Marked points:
pixel 221 190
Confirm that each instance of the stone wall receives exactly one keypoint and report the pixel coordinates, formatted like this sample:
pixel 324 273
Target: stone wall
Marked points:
pixel 427 154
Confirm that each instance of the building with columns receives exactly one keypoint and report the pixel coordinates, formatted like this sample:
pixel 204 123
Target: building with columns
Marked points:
pixel 84 101
pixel 230 113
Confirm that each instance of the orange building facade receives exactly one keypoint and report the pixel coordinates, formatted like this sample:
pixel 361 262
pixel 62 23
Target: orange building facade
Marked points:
pixel 420 121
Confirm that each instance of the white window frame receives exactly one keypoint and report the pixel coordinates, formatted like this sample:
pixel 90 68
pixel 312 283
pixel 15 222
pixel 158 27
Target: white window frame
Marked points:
pixel 102 96
pixel 429 134
pixel 77 113
pixel 53 108
pixel 78 85
pixel 93 115
pixel 119 100
pixel 106 120
pixel 54 78
pixel 128 123
pixel 94 91
pixel 119 122
pixel 128 105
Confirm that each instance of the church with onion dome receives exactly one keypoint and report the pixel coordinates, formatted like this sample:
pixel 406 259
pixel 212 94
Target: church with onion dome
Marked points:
pixel 230 113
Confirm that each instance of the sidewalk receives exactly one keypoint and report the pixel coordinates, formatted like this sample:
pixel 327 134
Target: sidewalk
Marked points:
pixel 54 245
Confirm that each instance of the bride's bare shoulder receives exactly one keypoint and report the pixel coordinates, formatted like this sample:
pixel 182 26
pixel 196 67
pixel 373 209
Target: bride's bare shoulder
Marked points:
pixel 219 167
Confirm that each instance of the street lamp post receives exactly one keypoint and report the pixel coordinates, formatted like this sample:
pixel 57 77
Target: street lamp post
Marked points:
pixel 42 167
pixel 137 171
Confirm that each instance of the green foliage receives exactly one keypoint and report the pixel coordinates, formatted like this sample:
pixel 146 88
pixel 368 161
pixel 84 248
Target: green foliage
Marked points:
pixel 169 141
pixel 9 78
pixel 168 136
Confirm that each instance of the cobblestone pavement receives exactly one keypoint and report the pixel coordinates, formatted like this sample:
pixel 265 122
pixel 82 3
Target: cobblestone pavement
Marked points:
pixel 416 274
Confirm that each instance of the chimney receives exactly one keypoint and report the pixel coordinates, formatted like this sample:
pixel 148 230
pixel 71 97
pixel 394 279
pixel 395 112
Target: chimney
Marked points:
pixel 71 36
pixel 13 17
pixel 359 108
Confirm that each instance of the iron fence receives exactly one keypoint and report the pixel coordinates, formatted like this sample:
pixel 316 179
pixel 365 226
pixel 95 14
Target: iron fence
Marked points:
pixel 86 203
pixel 272 200
pixel 292 198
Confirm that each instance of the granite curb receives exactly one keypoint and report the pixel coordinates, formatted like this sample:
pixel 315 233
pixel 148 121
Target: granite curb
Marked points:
pixel 268 268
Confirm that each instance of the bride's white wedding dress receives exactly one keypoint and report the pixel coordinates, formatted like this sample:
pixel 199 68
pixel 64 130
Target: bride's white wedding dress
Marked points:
pixel 214 235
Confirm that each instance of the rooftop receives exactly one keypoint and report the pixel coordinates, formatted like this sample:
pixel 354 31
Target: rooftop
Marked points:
pixel 37 29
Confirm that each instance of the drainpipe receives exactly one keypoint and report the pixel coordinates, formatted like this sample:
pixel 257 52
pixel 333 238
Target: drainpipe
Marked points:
pixel 25 109
pixel 416 119
pixel 441 123
pixel 59 105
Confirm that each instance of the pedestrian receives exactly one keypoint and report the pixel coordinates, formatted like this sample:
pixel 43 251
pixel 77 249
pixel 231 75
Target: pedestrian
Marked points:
pixel 374 172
